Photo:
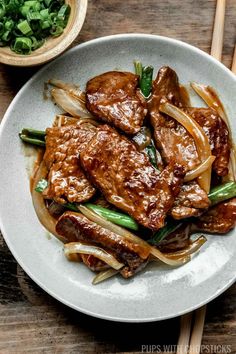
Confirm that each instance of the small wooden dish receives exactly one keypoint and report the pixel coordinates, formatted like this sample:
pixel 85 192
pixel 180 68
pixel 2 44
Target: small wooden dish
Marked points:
pixel 53 46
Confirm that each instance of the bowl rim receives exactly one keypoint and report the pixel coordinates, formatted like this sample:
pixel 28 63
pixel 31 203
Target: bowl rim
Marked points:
pixel 229 281
pixel 51 53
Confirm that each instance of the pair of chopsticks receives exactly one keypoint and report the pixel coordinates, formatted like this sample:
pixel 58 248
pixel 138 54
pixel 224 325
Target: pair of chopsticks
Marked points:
pixel 190 337
pixel 218 34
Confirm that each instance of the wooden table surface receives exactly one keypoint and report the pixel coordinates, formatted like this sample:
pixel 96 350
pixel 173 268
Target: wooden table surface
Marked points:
pixel 33 322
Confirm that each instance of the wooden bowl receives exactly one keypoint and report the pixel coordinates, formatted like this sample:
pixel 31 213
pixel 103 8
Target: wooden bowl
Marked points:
pixel 53 46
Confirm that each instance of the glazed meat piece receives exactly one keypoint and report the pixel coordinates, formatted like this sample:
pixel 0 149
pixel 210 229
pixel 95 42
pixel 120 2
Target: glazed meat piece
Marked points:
pixel 127 179
pixel 175 143
pixel 66 179
pixel 218 135
pixel 191 201
pixel 114 97
pixel 75 226
pixel 173 140
pixel 218 219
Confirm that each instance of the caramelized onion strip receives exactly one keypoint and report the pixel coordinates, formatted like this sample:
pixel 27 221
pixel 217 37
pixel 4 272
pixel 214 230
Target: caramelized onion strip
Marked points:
pixel 192 248
pixel 69 103
pixel 69 87
pixel 210 97
pixel 104 275
pixel 40 208
pixel 78 247
pixel 196 172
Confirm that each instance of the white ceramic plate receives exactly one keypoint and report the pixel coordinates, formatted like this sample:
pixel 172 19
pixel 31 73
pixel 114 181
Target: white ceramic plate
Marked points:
pixel 159 292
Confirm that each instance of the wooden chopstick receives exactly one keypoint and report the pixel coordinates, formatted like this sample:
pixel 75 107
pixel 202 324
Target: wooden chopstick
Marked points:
pixel 218 31
pixel 233 68
pixel 187 345
pixel 196 338
pixel 185 331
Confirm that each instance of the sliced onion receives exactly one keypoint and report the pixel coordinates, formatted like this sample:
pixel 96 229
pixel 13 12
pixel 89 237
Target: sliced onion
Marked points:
pixel 40 208
pixel 192 248
pixel 164 257
pixel 210 97
pixel 196 172
pixel 103 275
pixel 78 247
pixel 142 247
pixel 69 103
pixel 69 87
pixel 201 140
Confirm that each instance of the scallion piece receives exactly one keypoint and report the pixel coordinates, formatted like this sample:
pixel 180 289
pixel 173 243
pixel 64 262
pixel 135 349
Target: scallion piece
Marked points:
pixel 32 141
pixel 114 216
pixel 145 78
pixel 138 68
pixel 24 27
pixel 41 185
pixel 63 12
pixel 146 81
pixel 222 192
pixel 36 133
pixel 151 152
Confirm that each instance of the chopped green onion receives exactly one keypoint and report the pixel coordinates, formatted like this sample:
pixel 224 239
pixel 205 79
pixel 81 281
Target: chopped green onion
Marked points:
pixel 32 21
pixel 9 25
pixel 24 27
pixel 145 78
pixel 34 16
pixel 6 36
pixel 138 68
pixel 63 12
pixel 146 81
pixel 22 45
pixel 41 185
pixel 44 14
pixel 45 24
pixel 2 10
pixel 151 152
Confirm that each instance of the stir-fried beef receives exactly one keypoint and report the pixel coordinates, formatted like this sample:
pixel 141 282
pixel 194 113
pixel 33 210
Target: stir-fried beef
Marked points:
pixel 191 201
pixel 218 219
pixel 127 179
pixel 114 97
pixel 75 226
pixel 175 143
pixel 67 181
pixel 218 135
pixel 173 140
